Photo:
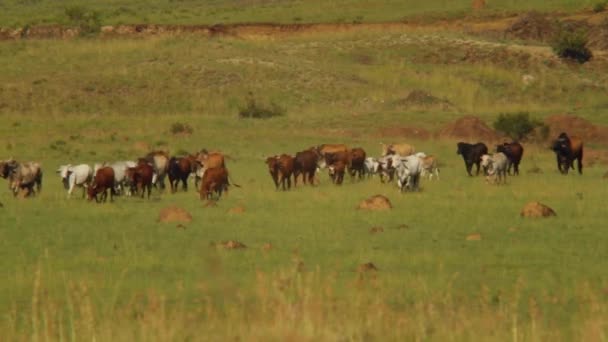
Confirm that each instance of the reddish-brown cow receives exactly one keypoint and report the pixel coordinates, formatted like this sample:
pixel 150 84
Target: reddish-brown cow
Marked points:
pixel 140 178
pixel 179 170
pixel 215 180
pixel 103 181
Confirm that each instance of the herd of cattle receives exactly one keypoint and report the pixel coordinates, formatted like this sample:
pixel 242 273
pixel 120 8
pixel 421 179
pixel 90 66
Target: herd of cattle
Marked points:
pixel 398 162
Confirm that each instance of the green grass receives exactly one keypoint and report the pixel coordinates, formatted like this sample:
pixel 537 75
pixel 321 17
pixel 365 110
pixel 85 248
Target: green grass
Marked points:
pixel 20 13
pixel 78 270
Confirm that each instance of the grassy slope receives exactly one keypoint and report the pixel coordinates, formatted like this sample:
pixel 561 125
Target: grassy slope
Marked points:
pixel 102 268
pixel 19 13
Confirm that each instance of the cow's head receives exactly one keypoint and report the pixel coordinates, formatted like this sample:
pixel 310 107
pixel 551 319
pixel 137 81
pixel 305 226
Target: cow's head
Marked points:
pixel 92 192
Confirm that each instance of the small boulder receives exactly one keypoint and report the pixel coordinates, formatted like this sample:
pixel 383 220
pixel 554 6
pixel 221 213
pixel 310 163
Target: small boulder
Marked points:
pixel 174 214
pixel 537 209
pixel 377 202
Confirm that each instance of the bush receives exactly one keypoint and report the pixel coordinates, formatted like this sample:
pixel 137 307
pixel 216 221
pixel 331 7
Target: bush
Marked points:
pixel 572 45
pixel 89 22
pixel 257 111
pixel 518 125
pixel 599 7
pixel 181 128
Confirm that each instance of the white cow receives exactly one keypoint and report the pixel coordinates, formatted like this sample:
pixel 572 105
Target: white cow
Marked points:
pixel 73 176
pixel 372 166
pixel 429 165
pixel 408 170
pixel 496 165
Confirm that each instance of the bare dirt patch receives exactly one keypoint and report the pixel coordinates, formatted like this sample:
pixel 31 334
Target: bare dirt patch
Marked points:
pixel 404 132
pixel 236 210
pixel 577 126
pixel 230 244
pixel 532 26
pixel 474 237
pixel 537 209
pixel 592 157
pixel 375 203
pixel 376 230
pixel 469 128
pixel 174 214
pixel 367 267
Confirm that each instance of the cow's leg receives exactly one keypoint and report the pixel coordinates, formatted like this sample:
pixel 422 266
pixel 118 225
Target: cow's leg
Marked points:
pixel 580 164
pixel 289 182
pixel 185 183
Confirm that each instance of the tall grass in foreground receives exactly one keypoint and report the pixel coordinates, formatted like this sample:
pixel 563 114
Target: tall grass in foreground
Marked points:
pixel 299 305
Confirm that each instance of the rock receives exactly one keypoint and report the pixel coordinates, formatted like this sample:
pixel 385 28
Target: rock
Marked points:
pixel 377 202
pixel 537 209
pixel 174 214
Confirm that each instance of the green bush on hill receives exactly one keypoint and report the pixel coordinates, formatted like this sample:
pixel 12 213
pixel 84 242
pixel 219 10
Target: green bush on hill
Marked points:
pixel 572 45
pixel 518 125
pixel 89 22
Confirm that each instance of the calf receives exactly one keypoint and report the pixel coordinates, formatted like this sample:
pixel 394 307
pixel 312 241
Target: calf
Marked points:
pixel 140 178
pixel 514 151
pixel 357 162
pixel 496 165
pixel 104 181
pixel 567 149
pixel 429 165
pixel 73 176
pixel 286 170
pixel 471 154
pixel 336 172
pixel 305 163
pixel 179 170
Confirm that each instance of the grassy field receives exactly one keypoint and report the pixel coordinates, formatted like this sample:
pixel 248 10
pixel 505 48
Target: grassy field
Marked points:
pixel 78 270
pixel 36 12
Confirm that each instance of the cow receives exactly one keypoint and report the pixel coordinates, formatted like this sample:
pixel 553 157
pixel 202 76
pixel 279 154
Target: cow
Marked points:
pixel 160 162
pixel 305 163
pixel 567 149
pixel 75 175
pixel 357 162
pixel 408 170
pixel 514 151
pixel 324 149
pixel 285 170
pixel 179 170
pixel 471 154
pixel 104 180
pixel 386 169
pixel 497 165
pixel 336 171
pixel 330 158
pixel 140 178
pixel 120 180
pixel 216 180
pixel 207 160
pixel 22 176
pixel 429 165
pixel 372 166
pixel 401 149
pixel 273 169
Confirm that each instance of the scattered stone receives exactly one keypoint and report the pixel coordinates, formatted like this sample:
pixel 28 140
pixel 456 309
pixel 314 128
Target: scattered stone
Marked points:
pixel 377 202
pixel 474 237
pixel 174 214
pixel 537 209
pixel 375 230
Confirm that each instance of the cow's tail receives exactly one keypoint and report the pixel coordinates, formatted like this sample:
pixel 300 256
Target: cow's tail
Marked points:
pixel 231 182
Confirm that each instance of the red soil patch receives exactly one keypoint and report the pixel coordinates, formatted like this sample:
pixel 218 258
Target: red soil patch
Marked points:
pixel 592 157
pixel 470 128
pixel 532 26
pixel 574 125
pixel 537 209
pixel 377 202
pixel 174 214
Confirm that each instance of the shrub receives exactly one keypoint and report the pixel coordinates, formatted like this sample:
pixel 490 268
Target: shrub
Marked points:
pixel 518 125
pixel 181 128
pixel 89 22
pixel 572 45
pixel 257 111
pixel 599 7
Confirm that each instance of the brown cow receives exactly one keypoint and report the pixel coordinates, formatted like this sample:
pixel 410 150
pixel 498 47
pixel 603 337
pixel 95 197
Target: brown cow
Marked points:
pixel 215 180
pixel 160 162
pixel 567 149
pixel 103 181
pixel 336 172
pixel 273 169
pixel 401 149
pixel 140 178
pixel 286 169
pixel 330 148
pixel 305 163
pixel 207 160
pixel 357 162
pixel 179 170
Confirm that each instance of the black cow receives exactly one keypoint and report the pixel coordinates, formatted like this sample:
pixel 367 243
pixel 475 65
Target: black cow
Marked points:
pixel 471 153
pixel 567 149
pixel 514 151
